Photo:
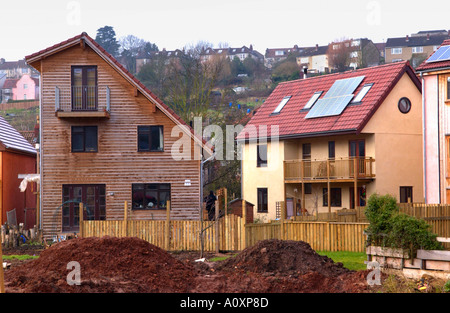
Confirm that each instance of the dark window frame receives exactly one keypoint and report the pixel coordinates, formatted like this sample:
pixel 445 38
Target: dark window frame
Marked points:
pixel 306 156
pixel 70 210
pixel 84 134
pixel 404 111
pixel 144 187
pixel 261 206
pixel 331 150
pixel 260 161
pixel 405 191
pixel 142 132
pixel 84 105
pixel 335 197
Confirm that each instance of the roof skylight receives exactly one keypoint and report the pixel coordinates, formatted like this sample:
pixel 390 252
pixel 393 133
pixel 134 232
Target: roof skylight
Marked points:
pixel 313 100
pixel 364 90
pixel 281 105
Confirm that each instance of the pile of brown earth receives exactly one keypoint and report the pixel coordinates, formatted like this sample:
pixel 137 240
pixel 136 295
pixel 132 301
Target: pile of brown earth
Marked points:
pixel 106 265
pixel 283 257
pixel 133 265
pixel 280 266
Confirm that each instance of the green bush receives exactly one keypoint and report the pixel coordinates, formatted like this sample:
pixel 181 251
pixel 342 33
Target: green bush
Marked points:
pixel 410 233
pixel 378 212
pixel 389 228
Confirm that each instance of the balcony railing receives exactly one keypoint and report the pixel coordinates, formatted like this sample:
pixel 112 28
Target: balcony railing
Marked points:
pixel 333 169
pixel 85 101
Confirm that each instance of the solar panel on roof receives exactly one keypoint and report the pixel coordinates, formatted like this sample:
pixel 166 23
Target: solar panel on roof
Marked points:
pixel 336 99
pixel 441 54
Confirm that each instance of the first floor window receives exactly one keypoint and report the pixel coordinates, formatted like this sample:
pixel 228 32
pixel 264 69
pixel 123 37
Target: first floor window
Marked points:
pixel 150 138
pixel 262 200
pixel 406 194
pixel 150 196
pixel 84 139
pixel 335 196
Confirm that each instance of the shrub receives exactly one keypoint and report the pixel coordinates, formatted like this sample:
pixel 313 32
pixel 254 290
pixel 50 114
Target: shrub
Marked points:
pixel 410 233
pixel 392 229
pixel 379 211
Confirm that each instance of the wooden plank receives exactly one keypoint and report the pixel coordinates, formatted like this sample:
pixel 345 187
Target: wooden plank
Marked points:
pixel 438 255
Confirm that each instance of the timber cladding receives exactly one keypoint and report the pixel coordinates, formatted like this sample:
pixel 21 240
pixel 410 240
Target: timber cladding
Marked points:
pixel 117 164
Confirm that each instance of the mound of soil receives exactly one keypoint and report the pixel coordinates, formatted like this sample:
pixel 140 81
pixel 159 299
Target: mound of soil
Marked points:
pixel 106 265
pixel 283 257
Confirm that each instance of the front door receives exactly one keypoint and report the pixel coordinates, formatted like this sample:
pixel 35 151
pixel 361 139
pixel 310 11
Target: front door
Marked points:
pixel 94 202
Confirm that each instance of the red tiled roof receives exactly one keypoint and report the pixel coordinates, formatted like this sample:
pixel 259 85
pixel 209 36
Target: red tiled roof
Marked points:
pixel 10 83
pixel 434 65
pixel 291 120
pixel 113 60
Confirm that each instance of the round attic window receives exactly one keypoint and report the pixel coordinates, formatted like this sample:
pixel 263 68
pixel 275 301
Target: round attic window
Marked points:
pixel 404 105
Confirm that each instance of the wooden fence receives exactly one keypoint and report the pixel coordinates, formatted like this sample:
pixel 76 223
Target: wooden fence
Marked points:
pixel 329 236
pixel 232 234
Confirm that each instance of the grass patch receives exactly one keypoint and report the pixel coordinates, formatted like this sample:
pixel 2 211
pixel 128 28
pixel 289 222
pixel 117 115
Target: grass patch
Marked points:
pixel 21 257
pixel 221 258
pixel 351 260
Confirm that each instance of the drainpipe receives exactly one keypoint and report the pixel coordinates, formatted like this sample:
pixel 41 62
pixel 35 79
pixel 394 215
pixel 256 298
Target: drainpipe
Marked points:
pixel 424 139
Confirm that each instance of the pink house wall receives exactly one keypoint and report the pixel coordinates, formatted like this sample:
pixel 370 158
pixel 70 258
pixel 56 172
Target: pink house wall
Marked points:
pixel 25 89
pixel 431 139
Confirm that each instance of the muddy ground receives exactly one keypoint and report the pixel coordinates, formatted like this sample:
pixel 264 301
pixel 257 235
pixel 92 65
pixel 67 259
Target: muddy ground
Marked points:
pixel 131 265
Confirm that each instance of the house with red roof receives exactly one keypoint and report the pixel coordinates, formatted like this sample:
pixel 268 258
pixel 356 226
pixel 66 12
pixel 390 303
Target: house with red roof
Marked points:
pixel 326 143
pixel 106 141
pixel 435 75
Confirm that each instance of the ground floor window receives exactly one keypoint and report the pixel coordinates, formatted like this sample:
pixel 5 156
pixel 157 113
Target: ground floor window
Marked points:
pixel 406 194
pixel 94 202
pixel 335 196
pixel 262 200
pixel 150 196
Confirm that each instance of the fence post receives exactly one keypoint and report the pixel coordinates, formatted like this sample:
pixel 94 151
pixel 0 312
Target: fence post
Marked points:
pixel 2 280
pixel 167 237
pixel 81 220
pixel 216 221
pixel 125 219
pixel 282 218
pixel 244 220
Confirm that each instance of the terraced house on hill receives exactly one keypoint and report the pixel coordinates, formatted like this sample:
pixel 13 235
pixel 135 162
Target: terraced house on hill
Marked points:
pixel 325 143
pixel 106 139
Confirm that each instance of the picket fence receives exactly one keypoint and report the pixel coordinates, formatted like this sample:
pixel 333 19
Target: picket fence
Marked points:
pixel 230 233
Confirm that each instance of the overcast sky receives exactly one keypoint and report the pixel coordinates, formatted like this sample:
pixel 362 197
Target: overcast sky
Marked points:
pixel 31 25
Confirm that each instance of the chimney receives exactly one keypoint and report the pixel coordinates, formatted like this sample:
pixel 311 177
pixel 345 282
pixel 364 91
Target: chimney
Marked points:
pixel 251 47
pixel 317 47
pixel 305 72
pixel 407 38
pixel 2 61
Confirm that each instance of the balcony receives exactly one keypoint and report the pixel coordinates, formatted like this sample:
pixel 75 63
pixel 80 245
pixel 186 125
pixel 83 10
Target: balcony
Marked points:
pixel 82 101
pixel 334 170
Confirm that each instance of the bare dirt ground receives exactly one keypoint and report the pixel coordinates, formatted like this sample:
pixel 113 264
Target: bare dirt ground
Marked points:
pixel 131 265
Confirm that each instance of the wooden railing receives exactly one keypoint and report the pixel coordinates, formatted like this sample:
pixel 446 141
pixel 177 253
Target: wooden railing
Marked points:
pixel 333 169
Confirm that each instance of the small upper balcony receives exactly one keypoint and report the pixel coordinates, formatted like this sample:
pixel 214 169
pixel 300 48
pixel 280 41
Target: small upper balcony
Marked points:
pixel 335 170
pixel 83 101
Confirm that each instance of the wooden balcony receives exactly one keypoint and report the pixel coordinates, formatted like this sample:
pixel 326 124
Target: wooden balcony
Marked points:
pixel 334 170
pixel 83 101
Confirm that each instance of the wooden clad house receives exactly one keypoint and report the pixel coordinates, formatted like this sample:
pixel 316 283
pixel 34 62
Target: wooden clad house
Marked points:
pixel 17 157
pixel 327 143
pixel 106 140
